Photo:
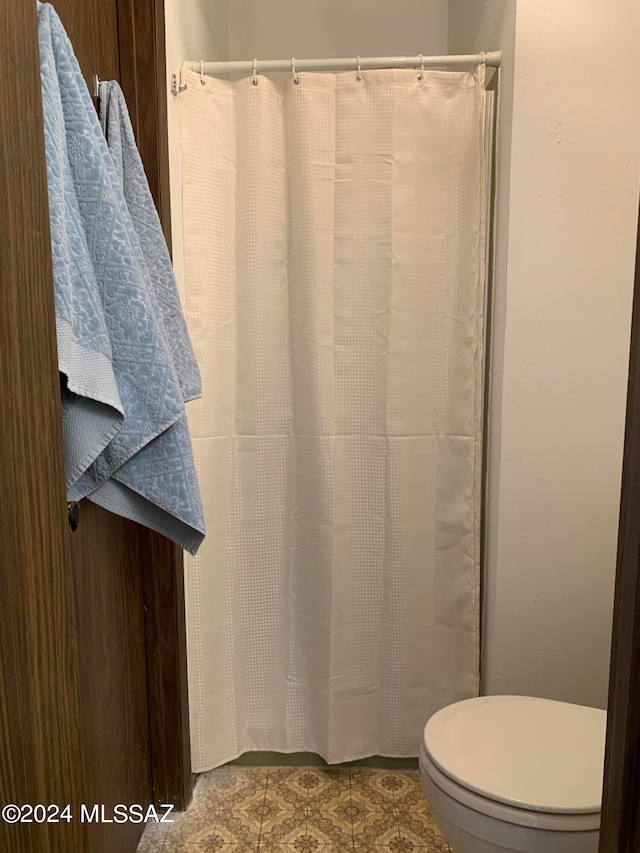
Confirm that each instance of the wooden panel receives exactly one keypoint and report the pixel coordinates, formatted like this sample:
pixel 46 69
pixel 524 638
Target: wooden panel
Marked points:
pixel 92 26
pixel 50 732
pixel 39 748
pixel 163 200
pixel 167 671
pixel 137 60
pixel 108 572
pixel 106 559
pixel 107 568
pixel 143 81
pixel 620 830
pixel 142 70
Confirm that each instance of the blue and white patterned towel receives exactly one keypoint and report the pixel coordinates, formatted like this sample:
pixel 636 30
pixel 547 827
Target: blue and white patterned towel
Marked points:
pixel 127 445
pixel 116 125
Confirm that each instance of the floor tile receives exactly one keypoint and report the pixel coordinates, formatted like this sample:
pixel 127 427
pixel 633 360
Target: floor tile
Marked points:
pixel 238 827
pixel 420 830
pixel 306 844
pixel 214 842
pixel 153 838
pixel 239 809
pixel 418 821
pixel 381 828
pixel 411 798
pixel 248 807
pixel 274 813
pixel 289 786
pixel 402 845
pixel 332 828
pixel 325 787
pixel 378 787
pixel 339 812
pixel 398 783
pixel 222 826
pixel 412 803
pixel 238 784
pixel 287 830
pixel 200 817
pixel 363 804
pixel 322 832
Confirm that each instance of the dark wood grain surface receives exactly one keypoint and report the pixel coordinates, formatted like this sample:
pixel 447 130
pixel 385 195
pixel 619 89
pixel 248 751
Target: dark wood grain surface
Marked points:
pixel 40 758
pixel 107 560
pixel 74 711
pixel 131 49
pixel 143 82
pixel 106 563
pixel 620 829
pixel 92 27
pixel 167 671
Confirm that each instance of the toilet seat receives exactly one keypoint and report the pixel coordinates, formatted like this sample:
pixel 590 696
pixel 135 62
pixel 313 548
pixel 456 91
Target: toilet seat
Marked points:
pixel 529 761
pixel 583 822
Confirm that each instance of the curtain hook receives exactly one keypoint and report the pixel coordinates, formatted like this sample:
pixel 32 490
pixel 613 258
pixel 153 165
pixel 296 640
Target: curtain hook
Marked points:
pixel 255 73
pixel 202 71
pixel 293 70
pixel 421 74
pixel 358 74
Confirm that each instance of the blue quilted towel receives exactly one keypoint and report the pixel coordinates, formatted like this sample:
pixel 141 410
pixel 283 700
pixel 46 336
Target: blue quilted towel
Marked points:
pixel 127 444
pixel 154 255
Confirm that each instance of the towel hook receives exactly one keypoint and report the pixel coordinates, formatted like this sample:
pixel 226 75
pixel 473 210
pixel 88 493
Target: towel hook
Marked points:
pixel 293 70
pixel 358 74
pixel 73 514
pixel 421 74
pixel 255 72
pixel 202 71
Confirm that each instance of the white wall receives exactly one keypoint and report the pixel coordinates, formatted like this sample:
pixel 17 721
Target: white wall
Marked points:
pixel 276 29
pixel 567 209
pixel 195 29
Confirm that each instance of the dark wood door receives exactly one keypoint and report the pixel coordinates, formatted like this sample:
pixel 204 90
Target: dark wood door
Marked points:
pixel 620 827
pixel 107 565
pixel 39 719
pixel 114 721
pixel 92 660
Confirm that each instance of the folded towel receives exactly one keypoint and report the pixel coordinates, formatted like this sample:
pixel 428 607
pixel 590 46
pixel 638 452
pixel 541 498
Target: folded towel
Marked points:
pixel 127 445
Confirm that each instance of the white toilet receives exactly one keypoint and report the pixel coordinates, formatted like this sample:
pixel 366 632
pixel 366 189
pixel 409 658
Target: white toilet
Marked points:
pixel 515 774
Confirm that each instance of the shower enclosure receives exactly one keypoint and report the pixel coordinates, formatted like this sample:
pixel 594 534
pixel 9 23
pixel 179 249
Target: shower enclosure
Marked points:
pixel 335 281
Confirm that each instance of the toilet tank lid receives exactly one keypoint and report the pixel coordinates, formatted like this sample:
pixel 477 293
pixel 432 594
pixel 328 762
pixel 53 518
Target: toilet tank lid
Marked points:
pixel 530 753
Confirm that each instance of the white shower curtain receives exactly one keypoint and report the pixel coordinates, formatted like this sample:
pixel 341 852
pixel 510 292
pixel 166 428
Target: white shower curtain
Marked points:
pixel 334 276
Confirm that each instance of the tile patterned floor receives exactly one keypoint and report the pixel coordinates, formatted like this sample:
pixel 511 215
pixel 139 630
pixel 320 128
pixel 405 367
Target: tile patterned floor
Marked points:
pixel 301 810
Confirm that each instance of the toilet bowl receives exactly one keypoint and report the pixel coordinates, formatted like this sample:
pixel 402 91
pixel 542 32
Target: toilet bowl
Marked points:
pixel 515 774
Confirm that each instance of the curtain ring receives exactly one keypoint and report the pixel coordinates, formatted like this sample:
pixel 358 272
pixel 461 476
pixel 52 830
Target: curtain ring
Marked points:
pixel 202 71
pixel 421 74
pixel 255 73
pixel 293 70
pixel 358 74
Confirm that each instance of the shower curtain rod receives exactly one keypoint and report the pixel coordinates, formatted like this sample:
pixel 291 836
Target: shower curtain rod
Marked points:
pixel 353 63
